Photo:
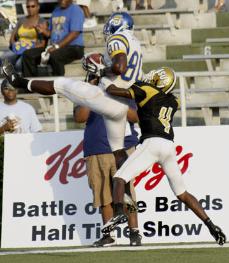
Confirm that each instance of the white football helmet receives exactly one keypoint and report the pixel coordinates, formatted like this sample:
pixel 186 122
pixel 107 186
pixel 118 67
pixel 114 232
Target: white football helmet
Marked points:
pixel 163 78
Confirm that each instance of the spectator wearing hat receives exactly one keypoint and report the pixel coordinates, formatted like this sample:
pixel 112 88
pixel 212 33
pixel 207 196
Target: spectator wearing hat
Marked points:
pixel 16 116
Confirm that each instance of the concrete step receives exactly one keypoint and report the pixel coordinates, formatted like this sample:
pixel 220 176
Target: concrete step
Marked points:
pixel 177 51
pixel 177 65
pixel 189 20
pixel 145 33
pixel 154 53
pixel 220 82
pixel 197 117
pixel 181 36
pixel 74 69
pixel 180 4
pixel 197 20
pixel 222 19
pixel 224 65
pixel 200 35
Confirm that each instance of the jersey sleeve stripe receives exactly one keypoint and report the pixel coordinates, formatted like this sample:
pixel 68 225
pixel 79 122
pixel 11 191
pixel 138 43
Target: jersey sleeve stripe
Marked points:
pixel 117 52
pixel 132 93
pixel 150 92
pixel 121 38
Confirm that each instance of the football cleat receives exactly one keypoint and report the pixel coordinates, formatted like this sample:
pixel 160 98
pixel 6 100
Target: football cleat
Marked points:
pixel 131 206
pixel 135 238
pixel 10 73
pixel 105 241
pixel 216 232
pixel 113 222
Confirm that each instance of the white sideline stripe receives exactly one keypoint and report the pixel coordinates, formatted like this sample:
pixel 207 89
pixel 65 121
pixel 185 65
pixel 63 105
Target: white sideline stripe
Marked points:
pixel 115 248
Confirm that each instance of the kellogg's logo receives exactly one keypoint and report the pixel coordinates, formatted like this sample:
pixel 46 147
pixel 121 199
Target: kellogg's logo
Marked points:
pixel 62 158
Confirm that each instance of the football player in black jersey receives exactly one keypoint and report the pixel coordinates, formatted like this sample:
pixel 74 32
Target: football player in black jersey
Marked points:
pixel 156 108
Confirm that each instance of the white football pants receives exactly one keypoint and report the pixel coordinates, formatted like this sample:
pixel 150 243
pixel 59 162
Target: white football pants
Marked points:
pixel 113 111
pixel 154 150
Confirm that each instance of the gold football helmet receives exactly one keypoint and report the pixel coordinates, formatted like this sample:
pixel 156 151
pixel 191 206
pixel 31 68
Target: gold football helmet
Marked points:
pixel 163 78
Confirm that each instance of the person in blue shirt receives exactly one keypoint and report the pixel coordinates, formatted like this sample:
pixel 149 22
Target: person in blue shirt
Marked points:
pixel 101 166
pixel 66 40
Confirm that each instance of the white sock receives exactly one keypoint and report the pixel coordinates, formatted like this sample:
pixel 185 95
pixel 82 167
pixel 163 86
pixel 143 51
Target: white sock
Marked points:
pixel 29 85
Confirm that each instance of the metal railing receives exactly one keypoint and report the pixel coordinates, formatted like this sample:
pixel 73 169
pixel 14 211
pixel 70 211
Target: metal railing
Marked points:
pixel 183 88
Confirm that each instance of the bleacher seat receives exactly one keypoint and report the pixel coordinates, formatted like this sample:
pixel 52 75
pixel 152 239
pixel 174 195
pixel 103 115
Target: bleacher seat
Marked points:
pixel 166 35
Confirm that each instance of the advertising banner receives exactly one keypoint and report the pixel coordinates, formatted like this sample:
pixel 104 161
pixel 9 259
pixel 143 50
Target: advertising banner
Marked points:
pixel 47 201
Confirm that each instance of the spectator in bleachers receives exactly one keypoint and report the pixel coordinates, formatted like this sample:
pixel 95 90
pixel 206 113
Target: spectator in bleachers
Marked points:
pixel 90 21
pixel 117 5
pixel 25 35
pixel 4 24
pixel 66 40
pixel 211 4
pixel 169 4
pixel 16 116
pixel 140 4
pixel 130 4
pixel 218 5
pixel 221 5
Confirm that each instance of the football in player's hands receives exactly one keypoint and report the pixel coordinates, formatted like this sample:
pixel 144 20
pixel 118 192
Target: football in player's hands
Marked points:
pixel 96 57
pixel 94 63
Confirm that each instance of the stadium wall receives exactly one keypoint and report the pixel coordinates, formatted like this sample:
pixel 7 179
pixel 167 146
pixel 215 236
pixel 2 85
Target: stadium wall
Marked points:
pixel 47 201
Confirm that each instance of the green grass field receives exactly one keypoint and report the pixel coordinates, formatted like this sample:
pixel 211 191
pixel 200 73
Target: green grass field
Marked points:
pixel 193 255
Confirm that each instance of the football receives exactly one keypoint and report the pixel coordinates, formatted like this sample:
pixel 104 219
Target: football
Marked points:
pixel 96 57
pixel 93 62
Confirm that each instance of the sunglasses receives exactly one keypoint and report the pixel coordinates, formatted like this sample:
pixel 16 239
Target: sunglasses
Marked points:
pixel 30 6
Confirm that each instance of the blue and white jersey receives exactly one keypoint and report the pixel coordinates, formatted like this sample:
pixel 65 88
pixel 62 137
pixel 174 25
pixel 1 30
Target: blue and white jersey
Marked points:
pixel 125 42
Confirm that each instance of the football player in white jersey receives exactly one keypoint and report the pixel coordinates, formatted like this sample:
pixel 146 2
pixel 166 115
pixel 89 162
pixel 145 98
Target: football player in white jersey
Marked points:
pixel 123 58
pixel 123 44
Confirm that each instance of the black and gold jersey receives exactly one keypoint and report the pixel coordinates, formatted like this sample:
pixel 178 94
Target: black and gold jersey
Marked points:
pixel 155 110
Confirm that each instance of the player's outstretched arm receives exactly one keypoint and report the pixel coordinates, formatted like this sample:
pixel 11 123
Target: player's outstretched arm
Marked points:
pixel 113 90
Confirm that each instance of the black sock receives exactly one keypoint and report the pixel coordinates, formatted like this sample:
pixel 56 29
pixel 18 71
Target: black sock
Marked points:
pixel 21 83
pixel 134 230
pixel 209 223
